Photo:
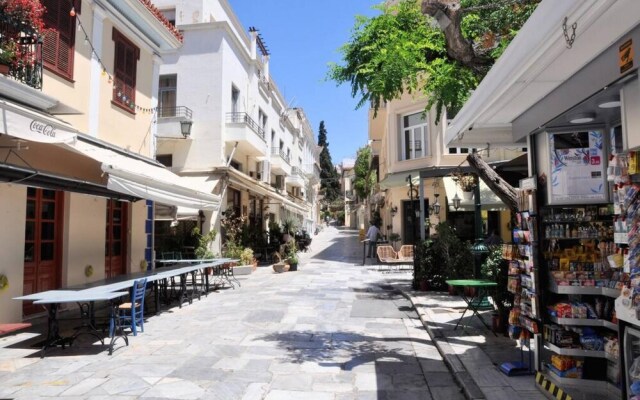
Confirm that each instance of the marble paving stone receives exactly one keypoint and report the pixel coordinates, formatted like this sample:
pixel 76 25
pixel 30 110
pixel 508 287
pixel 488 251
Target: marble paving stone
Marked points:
pixel 297 395
pixel 292 382
pixel 170 388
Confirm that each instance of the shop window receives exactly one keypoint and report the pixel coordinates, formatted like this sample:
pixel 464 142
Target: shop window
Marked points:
pixel 125 64
pixel 59 42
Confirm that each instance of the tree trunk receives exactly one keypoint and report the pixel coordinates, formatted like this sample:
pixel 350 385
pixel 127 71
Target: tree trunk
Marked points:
pixel 458 47
pixel 507 193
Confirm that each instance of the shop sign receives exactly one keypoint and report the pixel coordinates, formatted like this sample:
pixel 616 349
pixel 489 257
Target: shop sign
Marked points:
pixel 625 56
pixel 577 168
pixel 528 183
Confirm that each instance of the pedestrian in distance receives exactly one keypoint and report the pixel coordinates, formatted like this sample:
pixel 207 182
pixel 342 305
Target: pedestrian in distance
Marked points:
pixel 373 234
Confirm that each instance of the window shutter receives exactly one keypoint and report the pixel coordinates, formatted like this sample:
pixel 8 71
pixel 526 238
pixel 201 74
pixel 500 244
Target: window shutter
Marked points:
pixel 125 63
pixel 58 46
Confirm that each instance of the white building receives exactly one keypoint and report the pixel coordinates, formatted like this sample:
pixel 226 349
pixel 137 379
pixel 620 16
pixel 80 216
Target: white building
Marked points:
pixel 245 142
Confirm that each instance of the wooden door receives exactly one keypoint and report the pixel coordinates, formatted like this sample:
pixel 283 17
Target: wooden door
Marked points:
pixel 42 248
pixel 115 249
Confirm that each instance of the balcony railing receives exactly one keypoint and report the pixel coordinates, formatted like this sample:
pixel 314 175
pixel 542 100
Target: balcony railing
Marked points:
pixel 27 67
pixel 297 171
pixel 280 152
pixel 244 118
pixel 172 112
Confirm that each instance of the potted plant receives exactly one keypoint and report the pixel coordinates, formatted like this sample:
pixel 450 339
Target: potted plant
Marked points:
pixel 7 56
pixel 246 262
pixel 494 268
pixel 394 238
pixel 289 226
pixel 292 256
pixel 451 255
pixel 202 249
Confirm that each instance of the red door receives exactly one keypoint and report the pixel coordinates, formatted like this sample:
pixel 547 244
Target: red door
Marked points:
pixel 116 239
pixel 43 234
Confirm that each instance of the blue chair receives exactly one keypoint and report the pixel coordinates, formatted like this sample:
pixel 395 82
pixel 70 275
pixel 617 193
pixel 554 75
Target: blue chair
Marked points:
pixel 131 314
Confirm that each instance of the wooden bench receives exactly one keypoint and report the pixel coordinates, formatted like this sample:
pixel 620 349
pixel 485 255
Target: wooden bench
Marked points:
pixel 389 257
pixel 6 329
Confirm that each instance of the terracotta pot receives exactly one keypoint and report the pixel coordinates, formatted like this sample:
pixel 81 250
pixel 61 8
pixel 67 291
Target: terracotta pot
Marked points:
pixel 470 292
pixel 452 290
pixel 4 69
pixel 424 285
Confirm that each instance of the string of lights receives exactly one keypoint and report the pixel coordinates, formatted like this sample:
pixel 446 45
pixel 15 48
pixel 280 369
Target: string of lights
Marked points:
pixel 118 91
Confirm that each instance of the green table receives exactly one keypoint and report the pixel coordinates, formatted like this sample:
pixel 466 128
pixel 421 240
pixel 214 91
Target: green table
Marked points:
pixel 479 301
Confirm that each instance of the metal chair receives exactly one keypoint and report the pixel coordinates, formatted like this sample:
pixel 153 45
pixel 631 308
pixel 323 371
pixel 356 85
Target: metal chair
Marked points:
pixel 131 314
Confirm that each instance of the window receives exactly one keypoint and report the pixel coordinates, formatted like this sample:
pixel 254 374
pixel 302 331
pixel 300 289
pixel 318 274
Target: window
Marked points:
pixel 273 138
pixel 59 42
pixel 262 120
pixel 124 71
pixel 460 150
pixel 165 159
pixel 170 15
pixel 414 137
pixel 235 97
pixel 167 93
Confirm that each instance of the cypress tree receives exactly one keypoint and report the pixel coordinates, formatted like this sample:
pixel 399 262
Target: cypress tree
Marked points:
pixel 328 175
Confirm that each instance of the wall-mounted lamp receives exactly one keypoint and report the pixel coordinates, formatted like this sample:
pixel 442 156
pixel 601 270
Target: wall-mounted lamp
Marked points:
pixel 435 207
pixel 394 211
pixel 185 128
pixel 456 201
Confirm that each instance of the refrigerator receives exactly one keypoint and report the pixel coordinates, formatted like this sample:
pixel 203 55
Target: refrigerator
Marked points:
pixel 631 368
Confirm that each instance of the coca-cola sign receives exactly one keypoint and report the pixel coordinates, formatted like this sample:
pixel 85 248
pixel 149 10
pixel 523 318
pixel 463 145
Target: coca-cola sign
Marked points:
pixel 42 128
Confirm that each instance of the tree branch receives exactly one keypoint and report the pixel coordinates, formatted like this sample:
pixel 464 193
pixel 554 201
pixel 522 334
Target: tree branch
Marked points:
pixel 507 193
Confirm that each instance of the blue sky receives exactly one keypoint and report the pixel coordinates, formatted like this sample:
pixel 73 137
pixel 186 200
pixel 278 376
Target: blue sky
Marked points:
pixel 303 36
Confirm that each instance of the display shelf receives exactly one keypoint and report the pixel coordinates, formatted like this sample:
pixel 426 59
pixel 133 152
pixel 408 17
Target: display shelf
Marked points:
pixel 584 290
pixel 585 322
pixel 569 221
pixel 608 238
pixel 575 352
pixel 589 387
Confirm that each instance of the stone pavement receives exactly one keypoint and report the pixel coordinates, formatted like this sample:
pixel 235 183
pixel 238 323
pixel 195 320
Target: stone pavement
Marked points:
pixel 333 330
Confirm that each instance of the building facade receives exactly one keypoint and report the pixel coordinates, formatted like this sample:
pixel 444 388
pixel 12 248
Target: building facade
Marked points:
pixel 246 144
pixel 407 140
pixel 78 176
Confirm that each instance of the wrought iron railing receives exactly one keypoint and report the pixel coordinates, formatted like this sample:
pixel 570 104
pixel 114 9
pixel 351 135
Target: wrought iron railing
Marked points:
pixel 280 152
pixel 244 118
pixel 297 171
pixel 179 111
pixel 26 65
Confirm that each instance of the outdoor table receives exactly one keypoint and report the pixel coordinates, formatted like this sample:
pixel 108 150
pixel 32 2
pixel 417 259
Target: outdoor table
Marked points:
pixel 478 300
pixel 52 300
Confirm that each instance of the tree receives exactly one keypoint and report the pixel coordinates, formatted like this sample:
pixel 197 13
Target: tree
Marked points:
pixel 365 178
pixel 442 48
pixel 329 181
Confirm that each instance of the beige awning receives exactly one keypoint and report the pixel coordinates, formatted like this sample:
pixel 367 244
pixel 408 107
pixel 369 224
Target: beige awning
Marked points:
pixel 488 200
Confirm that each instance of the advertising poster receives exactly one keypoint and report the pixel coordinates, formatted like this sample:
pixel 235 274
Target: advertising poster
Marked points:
pixel 577 168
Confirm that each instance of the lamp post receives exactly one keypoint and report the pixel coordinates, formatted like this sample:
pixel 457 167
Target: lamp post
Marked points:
pixel 479 249
pixel 414 209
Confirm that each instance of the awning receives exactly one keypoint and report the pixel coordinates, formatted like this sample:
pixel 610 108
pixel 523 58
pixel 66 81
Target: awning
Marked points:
pixel 32 125
pixel 172 213
pixel 399 179
pixel 488 200
pixel 135 177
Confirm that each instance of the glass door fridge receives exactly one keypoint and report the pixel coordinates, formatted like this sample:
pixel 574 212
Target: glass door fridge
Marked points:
pixel 632 362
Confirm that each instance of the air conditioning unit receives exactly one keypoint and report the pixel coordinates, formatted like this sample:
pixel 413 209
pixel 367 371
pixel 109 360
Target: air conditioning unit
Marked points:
pixel 280 182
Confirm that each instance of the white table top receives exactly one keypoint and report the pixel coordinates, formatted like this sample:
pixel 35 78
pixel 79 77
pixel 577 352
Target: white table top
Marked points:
pixel 44 295
pixel 81 297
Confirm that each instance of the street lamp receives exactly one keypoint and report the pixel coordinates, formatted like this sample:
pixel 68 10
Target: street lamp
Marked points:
pixel 185 128
pixel 456 201
pixel 435 207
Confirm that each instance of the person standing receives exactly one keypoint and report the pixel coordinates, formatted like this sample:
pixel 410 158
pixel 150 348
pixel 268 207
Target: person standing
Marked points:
pixel 373 234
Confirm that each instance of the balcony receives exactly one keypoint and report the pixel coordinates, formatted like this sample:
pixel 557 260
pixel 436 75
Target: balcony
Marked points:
pixel 250 136
pixel 170 120
pixel 296 179
pixel 280 162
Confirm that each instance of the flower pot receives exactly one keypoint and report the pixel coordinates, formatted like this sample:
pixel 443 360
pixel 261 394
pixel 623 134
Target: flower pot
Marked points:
pixel 467 196
pixel 4 69
pixel 452 290
pixel 280 267
pixel 469 292
pixel 293 267
pixel 424 285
